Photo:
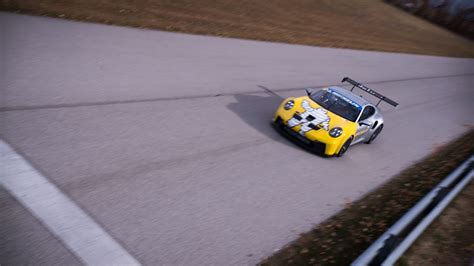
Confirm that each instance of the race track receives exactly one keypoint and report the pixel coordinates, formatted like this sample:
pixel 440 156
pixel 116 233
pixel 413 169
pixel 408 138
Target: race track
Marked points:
pixel 164 138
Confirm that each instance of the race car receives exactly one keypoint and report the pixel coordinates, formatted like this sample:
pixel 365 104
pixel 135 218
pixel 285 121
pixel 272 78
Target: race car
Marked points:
pixel 330 120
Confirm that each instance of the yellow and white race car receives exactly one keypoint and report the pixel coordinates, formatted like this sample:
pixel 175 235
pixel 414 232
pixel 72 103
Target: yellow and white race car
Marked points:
pixel 330 120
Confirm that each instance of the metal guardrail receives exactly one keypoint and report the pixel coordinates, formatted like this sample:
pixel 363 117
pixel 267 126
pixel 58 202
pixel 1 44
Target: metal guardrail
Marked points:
pixel 389 247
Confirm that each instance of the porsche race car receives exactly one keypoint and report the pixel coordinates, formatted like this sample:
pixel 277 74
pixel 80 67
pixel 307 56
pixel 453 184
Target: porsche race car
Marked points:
pixel 330 120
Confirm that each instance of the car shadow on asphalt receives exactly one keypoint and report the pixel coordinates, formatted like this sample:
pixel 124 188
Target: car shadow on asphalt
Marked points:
pixel 257 111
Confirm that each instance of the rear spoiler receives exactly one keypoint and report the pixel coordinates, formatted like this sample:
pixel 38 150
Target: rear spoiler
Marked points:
pixel 369 91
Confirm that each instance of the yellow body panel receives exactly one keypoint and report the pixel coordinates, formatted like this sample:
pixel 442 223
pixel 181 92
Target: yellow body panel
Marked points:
pixel 333 145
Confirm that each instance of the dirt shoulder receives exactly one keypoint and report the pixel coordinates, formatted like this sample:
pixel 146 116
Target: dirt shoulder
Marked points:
pixel 343 237
pixel 450 239
pixel 365 24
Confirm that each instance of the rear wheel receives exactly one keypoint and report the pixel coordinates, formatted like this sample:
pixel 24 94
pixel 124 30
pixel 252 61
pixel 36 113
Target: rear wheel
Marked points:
pixel 375 134
pixel 344 147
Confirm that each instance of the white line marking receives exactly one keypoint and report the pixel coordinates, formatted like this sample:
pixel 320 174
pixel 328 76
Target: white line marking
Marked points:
pixel 63 217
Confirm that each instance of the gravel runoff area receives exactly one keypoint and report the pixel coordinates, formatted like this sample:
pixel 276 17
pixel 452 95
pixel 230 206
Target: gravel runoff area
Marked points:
pixel 364 24
pixel 343 237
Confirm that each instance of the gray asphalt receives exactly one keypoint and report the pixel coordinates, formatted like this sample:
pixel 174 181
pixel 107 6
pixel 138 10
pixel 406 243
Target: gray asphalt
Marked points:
pixel 164 138
pixel 25 241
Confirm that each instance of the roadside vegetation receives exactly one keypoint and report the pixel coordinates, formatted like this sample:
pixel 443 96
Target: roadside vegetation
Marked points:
pixel 363 24
pixel 450 239
pixel 454 15
pixel 343 237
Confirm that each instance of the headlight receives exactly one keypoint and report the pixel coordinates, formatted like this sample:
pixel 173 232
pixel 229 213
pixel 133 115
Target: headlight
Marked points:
pixel 289 104
pixel 335 132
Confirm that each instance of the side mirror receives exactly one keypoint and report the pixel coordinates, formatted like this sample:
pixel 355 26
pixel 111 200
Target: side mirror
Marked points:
pixel 308 91
pixel 362 123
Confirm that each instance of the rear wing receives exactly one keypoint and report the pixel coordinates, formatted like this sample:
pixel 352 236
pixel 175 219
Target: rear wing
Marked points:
pixel 369 91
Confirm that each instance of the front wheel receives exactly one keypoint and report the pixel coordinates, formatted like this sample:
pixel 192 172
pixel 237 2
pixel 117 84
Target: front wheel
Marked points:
pixel 375 134
pixel 344 147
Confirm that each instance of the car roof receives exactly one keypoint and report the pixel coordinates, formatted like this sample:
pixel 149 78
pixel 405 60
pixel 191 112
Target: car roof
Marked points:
pixel 352 96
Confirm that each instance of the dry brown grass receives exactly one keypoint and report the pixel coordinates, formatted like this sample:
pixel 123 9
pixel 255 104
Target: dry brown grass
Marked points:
pixel 361 24
pixel 450 239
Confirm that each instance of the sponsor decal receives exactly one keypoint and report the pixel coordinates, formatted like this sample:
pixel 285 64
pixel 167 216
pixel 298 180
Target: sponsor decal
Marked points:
pixel 345 99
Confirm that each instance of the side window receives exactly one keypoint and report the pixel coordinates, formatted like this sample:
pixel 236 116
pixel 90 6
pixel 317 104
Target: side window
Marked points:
pixel 368 112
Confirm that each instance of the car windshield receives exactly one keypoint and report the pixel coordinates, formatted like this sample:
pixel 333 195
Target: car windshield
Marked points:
pixel 337 104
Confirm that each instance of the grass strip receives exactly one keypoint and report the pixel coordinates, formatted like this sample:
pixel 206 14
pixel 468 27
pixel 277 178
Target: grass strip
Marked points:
pixel 450 239
pixel 362 24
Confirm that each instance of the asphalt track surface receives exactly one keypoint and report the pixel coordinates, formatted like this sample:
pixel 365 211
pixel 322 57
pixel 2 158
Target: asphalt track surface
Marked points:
pixel 164 138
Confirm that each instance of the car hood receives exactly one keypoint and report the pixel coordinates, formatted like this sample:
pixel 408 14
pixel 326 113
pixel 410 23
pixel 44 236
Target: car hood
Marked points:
pixel 309 110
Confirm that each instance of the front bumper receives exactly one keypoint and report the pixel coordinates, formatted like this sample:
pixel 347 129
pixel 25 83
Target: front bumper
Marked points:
pixel 314 146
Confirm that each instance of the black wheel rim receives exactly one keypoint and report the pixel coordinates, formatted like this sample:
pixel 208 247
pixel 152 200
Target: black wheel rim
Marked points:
pixel 344 148
pixel 375 134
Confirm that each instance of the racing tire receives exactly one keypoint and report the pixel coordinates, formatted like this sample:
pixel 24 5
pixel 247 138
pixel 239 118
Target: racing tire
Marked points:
pixel 344 147
pixel 375 134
